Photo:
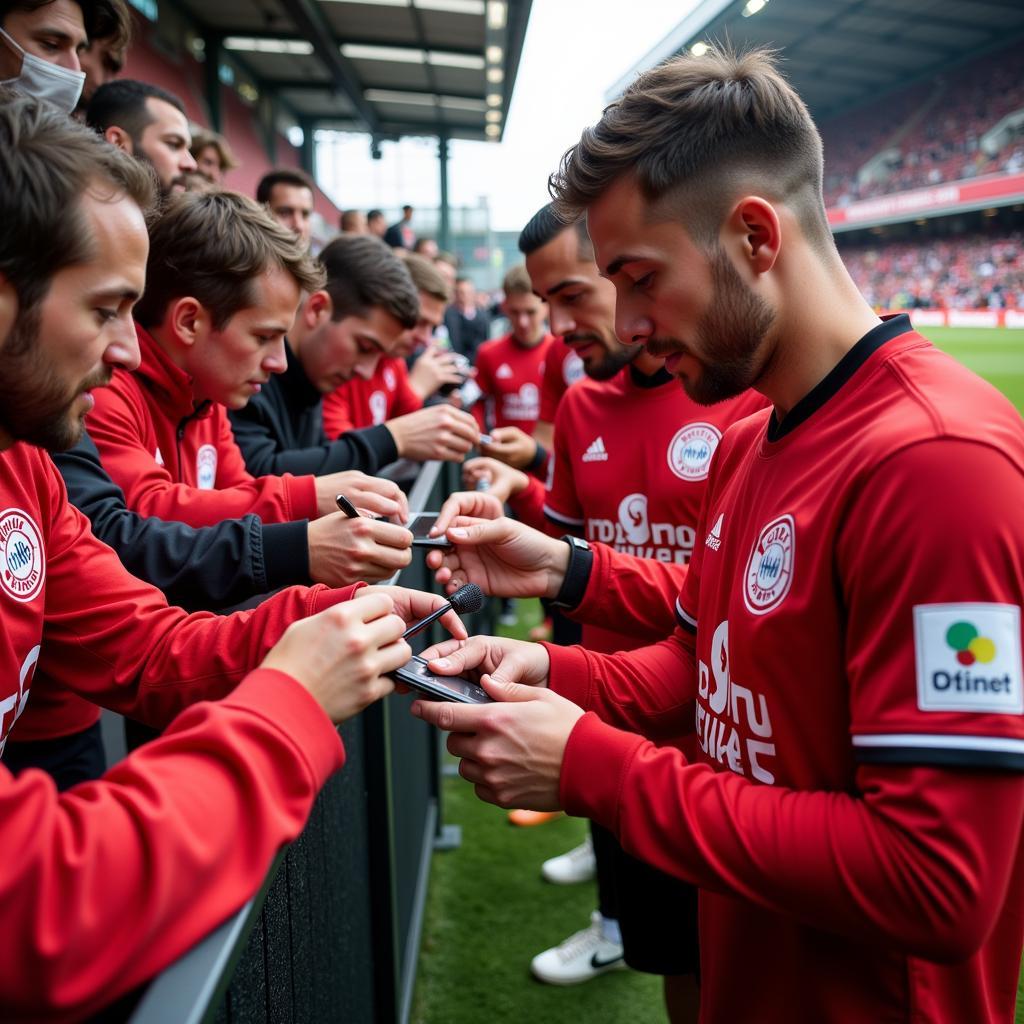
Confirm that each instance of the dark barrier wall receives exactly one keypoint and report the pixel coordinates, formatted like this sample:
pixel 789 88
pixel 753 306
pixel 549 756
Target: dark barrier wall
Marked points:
pixel 335 933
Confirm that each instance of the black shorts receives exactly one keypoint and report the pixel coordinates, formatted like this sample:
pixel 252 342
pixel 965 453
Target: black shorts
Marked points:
pixel 657 917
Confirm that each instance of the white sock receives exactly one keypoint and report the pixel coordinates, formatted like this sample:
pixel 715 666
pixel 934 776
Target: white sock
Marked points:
pixel 610 930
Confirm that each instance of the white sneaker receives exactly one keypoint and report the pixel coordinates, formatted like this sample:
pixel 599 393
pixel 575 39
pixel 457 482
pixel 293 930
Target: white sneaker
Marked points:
pixel 581 957
pixel 578 865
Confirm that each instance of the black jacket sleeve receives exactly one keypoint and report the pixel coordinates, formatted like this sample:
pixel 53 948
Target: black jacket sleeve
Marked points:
pixel 266 454
pixel 205 568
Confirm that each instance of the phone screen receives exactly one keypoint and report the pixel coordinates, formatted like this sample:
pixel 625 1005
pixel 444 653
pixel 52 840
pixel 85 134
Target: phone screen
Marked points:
pixel 415 673
pixel 421 523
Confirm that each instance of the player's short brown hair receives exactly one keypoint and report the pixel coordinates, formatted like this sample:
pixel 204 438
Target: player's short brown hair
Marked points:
pixel 696 133
pixel 427 278
pixel 517 282
pixel 203 137
pixel 282 176
pixel 47 163
pixel 213 246
pixel 363 273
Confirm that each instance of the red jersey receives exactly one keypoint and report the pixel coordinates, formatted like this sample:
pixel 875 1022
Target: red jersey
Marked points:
pixel 178 462
pixel 562 369
pixel 630 467
pixel 851 637
pixel 509 375
pixel 362 403
pixel 110 882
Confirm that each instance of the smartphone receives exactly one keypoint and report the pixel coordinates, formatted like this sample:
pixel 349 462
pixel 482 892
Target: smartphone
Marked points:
pixel 415 673
pixel 420 524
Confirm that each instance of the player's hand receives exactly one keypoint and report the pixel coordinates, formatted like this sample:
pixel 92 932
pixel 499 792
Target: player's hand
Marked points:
pixel 511 446
pixel 436 432
pixel 434 368
pixel 472 504
pixel 381 497
pixel 512 750
pixel 343 550
pixel 503 557
pixel 413 605
pixel 502 481
pixel 342 654
pixel 505 660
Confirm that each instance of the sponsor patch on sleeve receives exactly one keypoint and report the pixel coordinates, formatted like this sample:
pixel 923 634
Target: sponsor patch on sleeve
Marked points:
pixel 969 658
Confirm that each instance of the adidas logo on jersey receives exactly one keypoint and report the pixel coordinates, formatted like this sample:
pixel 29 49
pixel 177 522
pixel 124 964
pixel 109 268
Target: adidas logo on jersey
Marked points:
pixel 714 538
pixel 596 452
pixel 503 371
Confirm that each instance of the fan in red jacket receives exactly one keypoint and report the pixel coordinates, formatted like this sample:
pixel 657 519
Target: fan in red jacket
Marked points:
pixel 394 396
pixel 850 637
pixel 106 884
pixel 212 331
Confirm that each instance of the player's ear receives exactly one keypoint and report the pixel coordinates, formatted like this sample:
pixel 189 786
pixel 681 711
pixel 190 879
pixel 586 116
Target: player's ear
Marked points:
pixel 753 233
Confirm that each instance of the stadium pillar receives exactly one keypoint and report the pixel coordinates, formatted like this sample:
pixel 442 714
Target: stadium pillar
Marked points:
pixel 212 74
pixel 444 233
pixel 308 153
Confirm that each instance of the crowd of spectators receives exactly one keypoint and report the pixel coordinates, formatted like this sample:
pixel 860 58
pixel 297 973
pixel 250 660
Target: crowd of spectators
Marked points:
pixel 949 118
pixel 972 272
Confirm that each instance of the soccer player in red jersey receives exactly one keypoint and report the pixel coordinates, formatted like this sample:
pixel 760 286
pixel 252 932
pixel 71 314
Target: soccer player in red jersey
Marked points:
pixel 849 639
pixel 509 369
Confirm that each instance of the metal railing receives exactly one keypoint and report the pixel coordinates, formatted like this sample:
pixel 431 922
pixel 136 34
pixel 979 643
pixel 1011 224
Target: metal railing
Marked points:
pixel 334 932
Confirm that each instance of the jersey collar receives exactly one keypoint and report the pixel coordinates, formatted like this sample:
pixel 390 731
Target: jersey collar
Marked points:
pixel 891 327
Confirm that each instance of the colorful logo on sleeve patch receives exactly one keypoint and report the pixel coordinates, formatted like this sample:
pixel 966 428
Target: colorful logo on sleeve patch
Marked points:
pixel 22 566
pixel 969 658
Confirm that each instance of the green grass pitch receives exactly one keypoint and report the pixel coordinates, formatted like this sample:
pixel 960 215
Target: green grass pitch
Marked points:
pixel 488 910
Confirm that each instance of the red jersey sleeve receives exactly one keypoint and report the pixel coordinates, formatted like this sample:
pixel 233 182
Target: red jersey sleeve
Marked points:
pixel 337 411
pixel 528 505
pixel 108 883
pixel 126 649
pixel 485 383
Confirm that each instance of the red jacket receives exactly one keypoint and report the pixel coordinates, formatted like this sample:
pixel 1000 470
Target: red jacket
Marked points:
pixel 103 886
pixel 177 461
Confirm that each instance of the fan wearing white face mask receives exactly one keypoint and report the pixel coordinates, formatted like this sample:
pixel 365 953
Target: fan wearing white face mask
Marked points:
pixel 40 43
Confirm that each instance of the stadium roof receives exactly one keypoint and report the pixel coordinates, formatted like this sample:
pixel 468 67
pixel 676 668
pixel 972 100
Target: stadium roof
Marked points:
pixel 841 53
pixel 387 67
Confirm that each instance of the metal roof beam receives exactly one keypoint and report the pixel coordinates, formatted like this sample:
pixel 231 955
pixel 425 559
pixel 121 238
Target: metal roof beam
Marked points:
pixel 311 23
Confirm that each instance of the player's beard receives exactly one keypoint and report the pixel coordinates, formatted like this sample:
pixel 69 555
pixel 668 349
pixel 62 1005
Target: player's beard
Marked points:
pixel 34 404
pixel 612 359
pixel 731 336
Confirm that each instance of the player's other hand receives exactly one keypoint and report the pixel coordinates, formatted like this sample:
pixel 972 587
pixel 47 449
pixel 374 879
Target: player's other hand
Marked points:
pixel 511 446
pixel 503 557
pixel 502 481
pixel 503 659
pixel 413 605
pixel 471 504
pixel 436 432
pixel 342 655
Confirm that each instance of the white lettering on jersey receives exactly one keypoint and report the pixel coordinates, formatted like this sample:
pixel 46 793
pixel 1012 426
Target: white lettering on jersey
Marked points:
pixel 714 538
pixel 378 407
pixel 523 404
pixel 730 705
pixel 690 451
pixel 969 658
pixel 635 534
pixel 16 701
pixel 596 452
pixel 770 566
pixel 503 371
pixel 206 467
pixel 22 566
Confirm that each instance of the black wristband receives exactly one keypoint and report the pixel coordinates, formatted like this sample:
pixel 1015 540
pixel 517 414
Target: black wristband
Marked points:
pixel 539 460
pixel 577 573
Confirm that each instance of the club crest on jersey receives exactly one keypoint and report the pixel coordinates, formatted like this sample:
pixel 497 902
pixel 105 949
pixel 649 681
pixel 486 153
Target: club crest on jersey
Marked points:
pixel 206 467
pixel 689 454
pixel 22 567
pixel 770 566
pixel 572 369
pixel 969 658
pixel 378 407
pixel 390 382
